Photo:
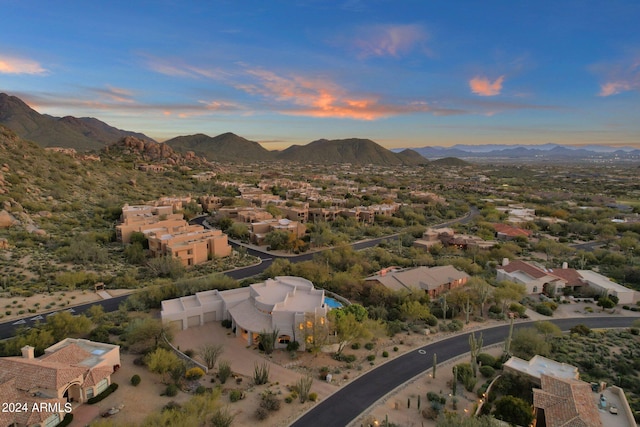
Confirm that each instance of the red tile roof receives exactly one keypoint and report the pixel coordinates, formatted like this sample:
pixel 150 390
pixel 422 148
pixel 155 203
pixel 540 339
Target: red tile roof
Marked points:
pixel 510 231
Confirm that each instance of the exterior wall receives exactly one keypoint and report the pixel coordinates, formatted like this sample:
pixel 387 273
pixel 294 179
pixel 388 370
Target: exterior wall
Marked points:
pixel 195 308
pixel 127 228
pixel 192 247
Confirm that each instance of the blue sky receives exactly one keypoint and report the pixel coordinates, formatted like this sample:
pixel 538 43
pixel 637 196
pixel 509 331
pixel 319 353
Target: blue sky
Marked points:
pixel 403 73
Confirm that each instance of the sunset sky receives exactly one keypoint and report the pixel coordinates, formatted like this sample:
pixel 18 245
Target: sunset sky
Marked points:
pixel 403 73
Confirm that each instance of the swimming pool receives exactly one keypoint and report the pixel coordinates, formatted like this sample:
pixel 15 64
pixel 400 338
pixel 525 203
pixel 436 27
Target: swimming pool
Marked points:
pixel 332 303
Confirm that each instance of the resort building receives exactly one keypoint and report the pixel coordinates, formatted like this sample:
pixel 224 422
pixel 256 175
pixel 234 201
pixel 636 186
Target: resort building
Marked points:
pixel 193 245
pixel 68 374
pixel 289 305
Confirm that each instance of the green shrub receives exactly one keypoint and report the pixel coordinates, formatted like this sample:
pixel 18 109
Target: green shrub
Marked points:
pixel 369 346
pixel 171 390
pixel 371 357
pixel 313 396
pixel 293 346
pixel 95 399
pixel 455 325
pixel 235 395
pixel 385 354
pixel 395 348
pixel 68 418
pixel 487 371
pixel 485 359
pixel 201 389
pixel 544 309
pixel 194 373
pixel 135 380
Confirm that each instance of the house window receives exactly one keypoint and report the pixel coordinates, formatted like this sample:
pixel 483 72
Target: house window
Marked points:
pixel 89 393
pixel 535 289
pixel 284 339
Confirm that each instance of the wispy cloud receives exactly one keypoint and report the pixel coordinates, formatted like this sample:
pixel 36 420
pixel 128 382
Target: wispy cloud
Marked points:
pixel 484 87
pixel 15 65
pixel 115 94
pixel 621 77
pixel 178 68
pixel 318 97
pixel 388 40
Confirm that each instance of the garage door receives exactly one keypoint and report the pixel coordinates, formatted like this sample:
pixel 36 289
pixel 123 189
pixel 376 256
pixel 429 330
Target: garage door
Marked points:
pixel 210 317
pixel 101 386
pixel 193 321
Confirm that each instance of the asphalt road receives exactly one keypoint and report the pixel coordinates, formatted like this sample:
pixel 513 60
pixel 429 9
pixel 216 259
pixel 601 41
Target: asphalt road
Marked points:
pixel 350 401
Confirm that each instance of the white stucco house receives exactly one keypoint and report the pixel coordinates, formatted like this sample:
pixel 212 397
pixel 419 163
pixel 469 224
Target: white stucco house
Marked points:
pixel 286 304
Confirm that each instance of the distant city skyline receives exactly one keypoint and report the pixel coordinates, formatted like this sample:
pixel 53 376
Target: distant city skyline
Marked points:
pixel 403 73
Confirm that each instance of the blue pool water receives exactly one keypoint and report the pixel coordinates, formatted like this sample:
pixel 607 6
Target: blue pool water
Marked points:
pixel 332 303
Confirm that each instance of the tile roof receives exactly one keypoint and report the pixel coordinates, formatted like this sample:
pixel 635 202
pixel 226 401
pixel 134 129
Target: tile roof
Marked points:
pixel 566 403
pixel 34 374
pixel 420 278
pixel 71 354
pixel 511 231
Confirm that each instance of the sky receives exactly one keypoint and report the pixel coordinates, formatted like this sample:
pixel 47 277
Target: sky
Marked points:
pixel 404 73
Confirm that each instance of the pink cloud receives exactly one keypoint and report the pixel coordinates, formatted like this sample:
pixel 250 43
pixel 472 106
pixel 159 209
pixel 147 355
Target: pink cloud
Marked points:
pixel 484 87
pixel 614 88
pixel 388 40
pixel 621 77
pixel 14 65
pixel 323 98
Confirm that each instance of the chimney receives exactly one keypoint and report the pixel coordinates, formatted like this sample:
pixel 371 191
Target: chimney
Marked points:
pixel 505 262
pixel 565 265
pixel 28 352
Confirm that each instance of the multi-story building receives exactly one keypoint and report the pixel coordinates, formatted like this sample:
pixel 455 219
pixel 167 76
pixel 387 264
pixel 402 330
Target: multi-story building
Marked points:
pixel 193 246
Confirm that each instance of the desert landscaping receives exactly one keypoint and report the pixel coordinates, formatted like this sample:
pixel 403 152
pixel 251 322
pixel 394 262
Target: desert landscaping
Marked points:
pixel 402 406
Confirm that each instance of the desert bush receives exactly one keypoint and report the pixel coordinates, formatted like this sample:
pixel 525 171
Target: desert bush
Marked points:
pixel 194 373
pixel 224 371
pixel 270 402
pixel 135 380
pixel 171 390
pixel 485 359
pixel 261 374
pixel 355 346
pixel 235 395
pixel 487 371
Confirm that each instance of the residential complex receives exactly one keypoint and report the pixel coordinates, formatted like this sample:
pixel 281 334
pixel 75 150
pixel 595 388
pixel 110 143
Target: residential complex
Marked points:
pixel 170 235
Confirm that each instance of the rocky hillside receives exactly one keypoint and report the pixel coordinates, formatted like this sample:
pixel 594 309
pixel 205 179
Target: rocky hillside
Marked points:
pixel 152 152
pixel 227 147
pixel 82 134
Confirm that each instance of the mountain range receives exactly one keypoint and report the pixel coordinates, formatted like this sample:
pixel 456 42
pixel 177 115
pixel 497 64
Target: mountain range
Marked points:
pixel 91 134
pixel 529 152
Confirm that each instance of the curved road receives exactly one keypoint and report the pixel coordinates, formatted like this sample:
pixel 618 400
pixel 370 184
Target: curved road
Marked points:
pixel 349 402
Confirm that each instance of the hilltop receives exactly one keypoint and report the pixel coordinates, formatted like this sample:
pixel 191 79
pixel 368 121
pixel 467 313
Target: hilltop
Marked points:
pixel 352 150
pixel 227 147
pixel 81 134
